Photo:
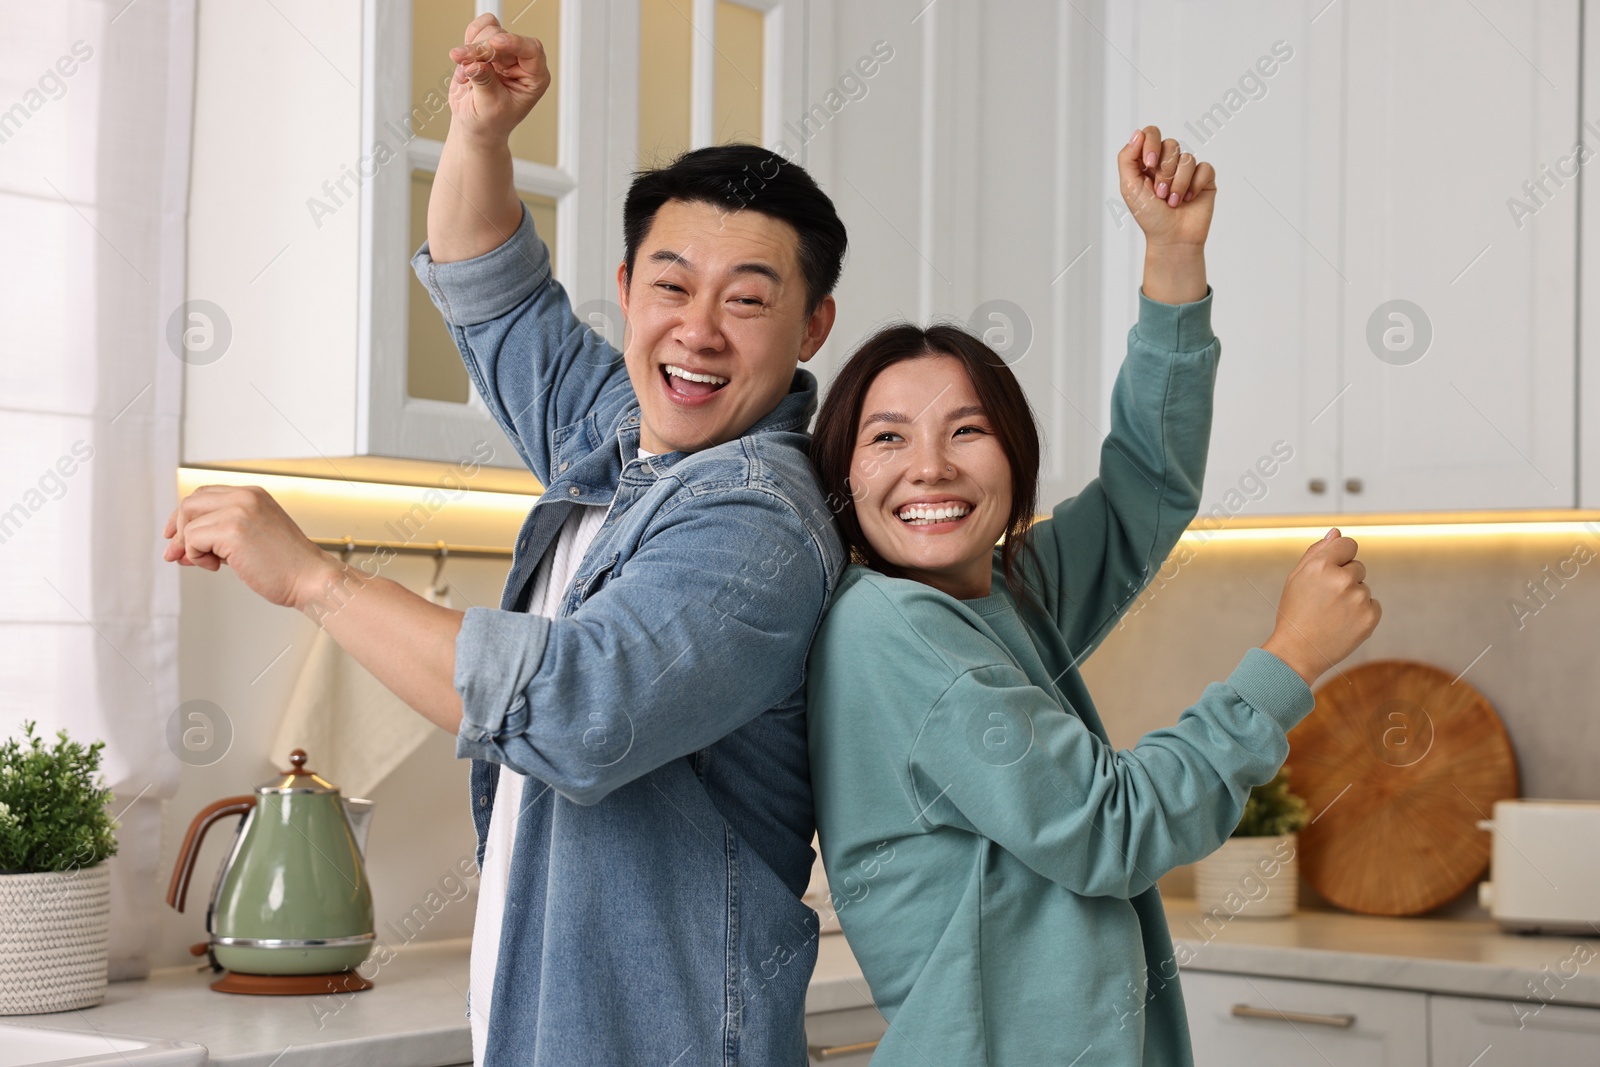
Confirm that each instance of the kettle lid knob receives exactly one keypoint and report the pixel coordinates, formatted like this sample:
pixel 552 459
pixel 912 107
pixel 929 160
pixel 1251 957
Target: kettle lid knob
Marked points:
pixel 297 778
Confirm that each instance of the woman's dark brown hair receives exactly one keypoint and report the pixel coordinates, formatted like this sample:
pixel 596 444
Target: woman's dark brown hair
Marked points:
pixel 833 443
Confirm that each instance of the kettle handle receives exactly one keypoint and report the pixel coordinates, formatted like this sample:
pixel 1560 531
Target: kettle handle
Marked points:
pixel 178 890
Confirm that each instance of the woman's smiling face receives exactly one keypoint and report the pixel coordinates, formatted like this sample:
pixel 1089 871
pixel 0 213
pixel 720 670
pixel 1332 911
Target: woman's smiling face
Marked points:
pixel 930 480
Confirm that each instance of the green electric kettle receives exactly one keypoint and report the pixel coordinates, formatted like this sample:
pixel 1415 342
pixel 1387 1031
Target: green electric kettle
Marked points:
pixel 292 897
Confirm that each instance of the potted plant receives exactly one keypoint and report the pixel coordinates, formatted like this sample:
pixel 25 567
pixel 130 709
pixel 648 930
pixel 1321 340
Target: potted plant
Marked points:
pixel 55 889
pixel 1255 874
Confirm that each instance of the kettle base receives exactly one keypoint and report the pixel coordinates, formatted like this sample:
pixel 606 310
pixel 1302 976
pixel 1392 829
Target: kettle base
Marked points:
pixel 291 985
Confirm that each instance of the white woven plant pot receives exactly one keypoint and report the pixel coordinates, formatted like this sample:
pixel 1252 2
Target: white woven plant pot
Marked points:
pixel 54 928
pixel 1250 877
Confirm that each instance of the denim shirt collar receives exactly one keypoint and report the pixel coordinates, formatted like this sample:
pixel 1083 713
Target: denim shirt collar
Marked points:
pixel 590 474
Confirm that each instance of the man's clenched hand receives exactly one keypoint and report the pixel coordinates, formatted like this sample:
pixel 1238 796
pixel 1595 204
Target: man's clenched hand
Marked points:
pixel 499 77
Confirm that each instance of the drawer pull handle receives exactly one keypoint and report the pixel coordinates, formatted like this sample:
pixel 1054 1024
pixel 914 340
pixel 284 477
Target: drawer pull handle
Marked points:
pixel 1246 1011
pixel 833 1052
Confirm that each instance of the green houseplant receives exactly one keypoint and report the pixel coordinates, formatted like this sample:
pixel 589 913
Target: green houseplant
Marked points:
pixel 1255 873
pixel 55 889
pixel 1273 810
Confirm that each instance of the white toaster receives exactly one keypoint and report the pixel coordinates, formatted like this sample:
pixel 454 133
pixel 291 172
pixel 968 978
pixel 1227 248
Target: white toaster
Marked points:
pixel 1544 866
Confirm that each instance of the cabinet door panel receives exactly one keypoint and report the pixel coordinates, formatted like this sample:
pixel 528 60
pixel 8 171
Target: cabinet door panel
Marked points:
pixel 1505 1033
pixel 1256 94
pixel 1451 111
pixel 970 177
pixel 1228 1023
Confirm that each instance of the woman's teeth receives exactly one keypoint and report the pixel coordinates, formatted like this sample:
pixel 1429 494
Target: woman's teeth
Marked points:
pixel 925 514
pixel 679 372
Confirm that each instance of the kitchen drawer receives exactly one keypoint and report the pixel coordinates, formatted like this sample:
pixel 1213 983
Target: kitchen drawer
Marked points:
pixel 1237 1019
pixel 1513 1033
pixel 844 1038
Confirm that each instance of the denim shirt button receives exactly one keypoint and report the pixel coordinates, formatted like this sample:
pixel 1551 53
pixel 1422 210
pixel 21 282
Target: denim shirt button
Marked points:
pixel 574 491
pixel 564 466
pixel 483 801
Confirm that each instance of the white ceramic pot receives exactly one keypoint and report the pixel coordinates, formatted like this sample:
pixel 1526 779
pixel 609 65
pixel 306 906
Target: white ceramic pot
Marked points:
pixel 54 929
pixel 1250 877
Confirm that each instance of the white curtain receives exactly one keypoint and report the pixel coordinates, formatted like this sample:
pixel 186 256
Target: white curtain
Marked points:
pixel 95 116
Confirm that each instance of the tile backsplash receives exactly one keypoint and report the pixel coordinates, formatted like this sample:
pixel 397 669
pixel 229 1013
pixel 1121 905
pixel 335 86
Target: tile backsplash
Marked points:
pixel 1520 614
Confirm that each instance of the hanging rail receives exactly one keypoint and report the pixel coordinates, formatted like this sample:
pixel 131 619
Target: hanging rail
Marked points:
pixel 437 548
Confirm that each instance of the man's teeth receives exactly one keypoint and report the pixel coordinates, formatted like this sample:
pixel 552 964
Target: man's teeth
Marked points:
pixel 679 372
pixel 923 514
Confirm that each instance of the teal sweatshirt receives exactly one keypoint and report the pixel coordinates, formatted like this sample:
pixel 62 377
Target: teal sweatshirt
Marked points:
pixel 992 858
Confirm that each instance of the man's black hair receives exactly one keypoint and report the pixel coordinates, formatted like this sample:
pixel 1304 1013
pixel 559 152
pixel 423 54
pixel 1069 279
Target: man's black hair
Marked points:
pixel 739 177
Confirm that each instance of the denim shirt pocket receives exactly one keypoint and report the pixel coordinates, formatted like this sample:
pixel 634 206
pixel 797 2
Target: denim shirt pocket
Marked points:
pixel 570 443
pixel 587 585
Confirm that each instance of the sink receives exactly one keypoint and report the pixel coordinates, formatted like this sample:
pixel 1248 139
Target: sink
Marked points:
pixel 31 1046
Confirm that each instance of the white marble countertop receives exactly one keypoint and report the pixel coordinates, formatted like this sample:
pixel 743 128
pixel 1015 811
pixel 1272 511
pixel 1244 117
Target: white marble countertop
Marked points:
pixel 1464 958
pixel 1474 959
pixel 416 1014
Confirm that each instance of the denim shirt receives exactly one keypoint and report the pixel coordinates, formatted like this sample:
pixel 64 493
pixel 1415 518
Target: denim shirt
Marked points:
pixel 653 910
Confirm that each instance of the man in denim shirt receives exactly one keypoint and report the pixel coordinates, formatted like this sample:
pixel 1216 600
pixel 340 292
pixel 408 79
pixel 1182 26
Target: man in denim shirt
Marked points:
pixel 642 681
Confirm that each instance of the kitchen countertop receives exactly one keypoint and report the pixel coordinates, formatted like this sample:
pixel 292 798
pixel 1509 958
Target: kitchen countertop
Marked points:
pixel 1473 959
pixel 416 1014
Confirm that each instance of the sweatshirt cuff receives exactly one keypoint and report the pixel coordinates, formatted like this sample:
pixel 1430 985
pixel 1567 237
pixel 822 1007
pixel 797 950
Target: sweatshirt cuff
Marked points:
pixel 486 287
pixel 1270 686
pixel 1175 327
pixel 497 655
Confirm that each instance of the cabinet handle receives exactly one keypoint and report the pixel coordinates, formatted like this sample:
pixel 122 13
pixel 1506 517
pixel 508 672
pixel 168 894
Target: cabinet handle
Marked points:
pixel 1352 485
pixel 1245 1011
pixel 1317 485
pixel 833 1052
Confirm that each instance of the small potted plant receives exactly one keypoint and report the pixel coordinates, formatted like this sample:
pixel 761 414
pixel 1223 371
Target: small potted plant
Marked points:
pixel 1254 874
pixel 55 889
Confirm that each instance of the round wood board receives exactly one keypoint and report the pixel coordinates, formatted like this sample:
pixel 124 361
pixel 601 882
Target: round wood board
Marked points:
pixel 1398 765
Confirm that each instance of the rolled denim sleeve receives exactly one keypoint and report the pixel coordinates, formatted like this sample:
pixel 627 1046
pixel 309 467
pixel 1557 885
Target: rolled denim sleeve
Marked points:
pixel 706 627
pixel 1099 549
pixel 536 366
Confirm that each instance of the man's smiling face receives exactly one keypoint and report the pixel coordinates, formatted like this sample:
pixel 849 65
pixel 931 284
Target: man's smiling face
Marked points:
pixel 716 323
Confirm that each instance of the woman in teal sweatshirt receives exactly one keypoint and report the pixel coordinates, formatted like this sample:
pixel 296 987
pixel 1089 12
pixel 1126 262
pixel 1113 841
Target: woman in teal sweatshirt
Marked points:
pixel 993 859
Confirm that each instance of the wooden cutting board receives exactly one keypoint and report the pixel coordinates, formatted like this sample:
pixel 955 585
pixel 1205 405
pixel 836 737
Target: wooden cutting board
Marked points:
pixel 1398 765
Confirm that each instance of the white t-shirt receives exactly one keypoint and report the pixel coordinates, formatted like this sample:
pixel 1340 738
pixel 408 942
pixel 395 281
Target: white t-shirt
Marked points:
pixel 549 587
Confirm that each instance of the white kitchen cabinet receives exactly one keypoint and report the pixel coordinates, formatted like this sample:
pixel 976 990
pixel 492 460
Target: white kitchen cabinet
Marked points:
pixel 1357 166
pixel 1450 112
pixel 1365 169
pixel 1237 1019
pixel 967 169
pixel 844 1038
pixel 414 398
pixel 977 176
pixel 974 168
pixel 1509 1033
pixel 1257 94
pixel 310 347
pixel 308 351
